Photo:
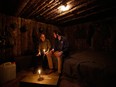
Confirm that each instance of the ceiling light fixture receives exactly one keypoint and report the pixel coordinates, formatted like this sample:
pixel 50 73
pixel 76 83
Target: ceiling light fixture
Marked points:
pixel 64 7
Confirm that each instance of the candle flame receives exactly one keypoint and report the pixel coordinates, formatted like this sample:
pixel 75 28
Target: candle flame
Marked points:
pixel 39 71
pixel 44 50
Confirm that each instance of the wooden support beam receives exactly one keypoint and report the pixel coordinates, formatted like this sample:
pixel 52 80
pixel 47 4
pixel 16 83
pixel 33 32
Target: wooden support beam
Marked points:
pixel 77 7
pixel 21 6
pixel 76 14
pixel 84 16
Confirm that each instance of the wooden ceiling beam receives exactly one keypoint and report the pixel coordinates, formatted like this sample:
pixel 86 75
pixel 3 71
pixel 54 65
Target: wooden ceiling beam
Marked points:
pixel 84 16
pixel 21 6
pixel 92 7
pixel 39 13
pixel 75 4
pixel 76 14
pixel 51 7
pixel 71 10
pixel 43 6
pixel 31 9
pixel 54 11
pixel 25 11
pixel 37 6
pixel 34 7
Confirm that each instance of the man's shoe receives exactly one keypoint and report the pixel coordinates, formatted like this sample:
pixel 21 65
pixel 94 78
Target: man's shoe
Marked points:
pixel 50 71
pixel 58 73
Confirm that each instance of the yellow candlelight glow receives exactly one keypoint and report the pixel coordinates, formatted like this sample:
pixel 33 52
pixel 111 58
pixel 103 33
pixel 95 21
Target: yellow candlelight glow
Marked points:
pixel 43 50
pixel 40 77
pixel 39 71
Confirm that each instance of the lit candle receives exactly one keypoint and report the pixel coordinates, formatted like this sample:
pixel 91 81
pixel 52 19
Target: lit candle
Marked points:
pixel 39 71
pixel 40 77
pixel 43 50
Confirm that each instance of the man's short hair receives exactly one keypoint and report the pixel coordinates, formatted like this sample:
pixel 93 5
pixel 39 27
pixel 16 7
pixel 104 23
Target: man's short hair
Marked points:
pixel 57 32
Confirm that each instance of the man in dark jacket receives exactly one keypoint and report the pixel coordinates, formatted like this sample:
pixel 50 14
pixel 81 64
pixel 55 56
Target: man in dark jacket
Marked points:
pixel 60 48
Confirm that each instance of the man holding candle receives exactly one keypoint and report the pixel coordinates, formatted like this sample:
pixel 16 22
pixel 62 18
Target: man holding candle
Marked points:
pixel 43 50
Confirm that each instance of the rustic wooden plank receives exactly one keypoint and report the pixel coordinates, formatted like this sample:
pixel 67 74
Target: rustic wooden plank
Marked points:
pixel 55 11
pixel 29 9
pixel 18 38
pixel 22 5
pixel 1 21
pixel 70 16
pixel 34 8
pixel 77 7
pixel 87 9
pixel 38 8
pixel 84 16
pixel 23 40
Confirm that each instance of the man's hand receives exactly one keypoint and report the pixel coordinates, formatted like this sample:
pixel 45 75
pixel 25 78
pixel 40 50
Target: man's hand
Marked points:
pixel 38 54
pixel 58 53
pixel 45 53
pixel 52 50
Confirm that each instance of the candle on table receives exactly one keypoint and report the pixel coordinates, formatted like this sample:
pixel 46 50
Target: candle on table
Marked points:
pixel 40 77
pixel 39 71
pixel 43 50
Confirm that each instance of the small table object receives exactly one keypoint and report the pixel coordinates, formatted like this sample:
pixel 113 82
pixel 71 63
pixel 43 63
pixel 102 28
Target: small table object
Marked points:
pixel 33 81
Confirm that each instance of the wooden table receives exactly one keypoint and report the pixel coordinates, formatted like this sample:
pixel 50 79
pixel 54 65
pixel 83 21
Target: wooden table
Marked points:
pixel 32 81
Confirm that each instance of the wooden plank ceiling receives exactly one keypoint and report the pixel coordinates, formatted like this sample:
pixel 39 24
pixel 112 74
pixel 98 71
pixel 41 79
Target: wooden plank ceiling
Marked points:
pixel 47 10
